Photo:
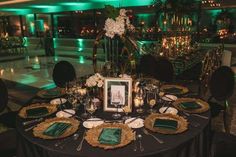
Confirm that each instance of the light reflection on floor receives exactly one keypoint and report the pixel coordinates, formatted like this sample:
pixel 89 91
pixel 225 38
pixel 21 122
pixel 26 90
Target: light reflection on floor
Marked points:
pixel 21 70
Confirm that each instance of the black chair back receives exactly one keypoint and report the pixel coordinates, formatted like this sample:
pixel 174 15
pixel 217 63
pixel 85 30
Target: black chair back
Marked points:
pixel 147 65
pixel 3 95
pixel 164 70
pixel 63 72
pixel 222 83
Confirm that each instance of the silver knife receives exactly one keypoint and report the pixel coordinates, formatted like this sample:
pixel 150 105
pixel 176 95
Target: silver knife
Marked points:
pixel 32 121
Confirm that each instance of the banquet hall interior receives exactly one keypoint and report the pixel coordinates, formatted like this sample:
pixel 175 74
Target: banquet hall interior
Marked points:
pixel 135 78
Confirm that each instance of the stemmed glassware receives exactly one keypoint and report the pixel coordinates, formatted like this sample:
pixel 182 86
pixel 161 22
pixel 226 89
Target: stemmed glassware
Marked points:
pixel 91 107
pixel 139 100
pixel 151 101
pixel 126 110
pixel 117 114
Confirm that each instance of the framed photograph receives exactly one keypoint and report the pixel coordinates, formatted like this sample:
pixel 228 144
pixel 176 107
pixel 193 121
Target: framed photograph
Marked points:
pixel 117 94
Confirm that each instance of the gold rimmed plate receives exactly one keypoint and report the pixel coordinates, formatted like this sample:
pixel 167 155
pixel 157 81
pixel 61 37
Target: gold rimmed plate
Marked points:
pixel 37 110
pixel 174 89
pixel 195 105
pixel 51 93
pixel 181 123
pixel 126 135
pixel 56 128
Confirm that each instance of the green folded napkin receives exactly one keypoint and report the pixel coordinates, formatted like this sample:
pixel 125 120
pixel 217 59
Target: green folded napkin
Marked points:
pixel 39 111
pixel 166 124
pixel 51 93
pixel 173 90
pixel 190 105
pixel 56 129
pixel 110 136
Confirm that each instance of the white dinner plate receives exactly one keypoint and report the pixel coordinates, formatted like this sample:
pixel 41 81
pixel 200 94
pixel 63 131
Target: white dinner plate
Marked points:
pixel 58 101
pixel 137 123
pixel 92 122
pixel 169 97
pixel 170 110
pixel 65 113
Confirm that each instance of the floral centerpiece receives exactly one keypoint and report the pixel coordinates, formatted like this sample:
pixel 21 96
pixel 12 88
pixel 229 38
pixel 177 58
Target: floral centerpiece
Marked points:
pixel 94 84
pixel 121 45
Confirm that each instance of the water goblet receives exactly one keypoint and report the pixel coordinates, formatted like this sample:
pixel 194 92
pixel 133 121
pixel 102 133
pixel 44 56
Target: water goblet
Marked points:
pixel 151 101
pixel 91 108
pixel 116 115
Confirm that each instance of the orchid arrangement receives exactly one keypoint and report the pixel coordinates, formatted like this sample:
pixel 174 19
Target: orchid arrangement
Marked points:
pixel 118 25
pixel 96 80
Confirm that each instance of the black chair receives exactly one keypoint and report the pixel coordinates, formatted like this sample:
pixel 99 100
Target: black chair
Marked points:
pixel 164 70
pixel 63 72
pixel 7 118
pixel 221 87
pixel 223 145
pixel 8 138
pixel 147 65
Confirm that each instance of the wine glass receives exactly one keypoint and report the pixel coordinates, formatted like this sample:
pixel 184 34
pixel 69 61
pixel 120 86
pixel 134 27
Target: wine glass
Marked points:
pixel 91 108
pixel 151 101
pixel 126 110
pixel 85 102
pixel 116 115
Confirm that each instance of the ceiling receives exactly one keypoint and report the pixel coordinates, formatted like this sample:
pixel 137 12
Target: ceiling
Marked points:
pixel 22 7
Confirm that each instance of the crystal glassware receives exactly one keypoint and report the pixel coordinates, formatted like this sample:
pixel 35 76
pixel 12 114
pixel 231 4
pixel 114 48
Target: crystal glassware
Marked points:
pixel 151 101
pixel 116 115
pixel 91 108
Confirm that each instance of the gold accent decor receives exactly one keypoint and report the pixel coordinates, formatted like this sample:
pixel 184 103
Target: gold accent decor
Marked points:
pixel 41 127
pixel 127 135
pixel 204 105
pixel 182 123
pixel 51 109
pixel 42 93
pixel 184 89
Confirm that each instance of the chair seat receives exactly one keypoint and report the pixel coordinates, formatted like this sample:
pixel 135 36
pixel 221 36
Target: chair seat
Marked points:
pixel 224 145
pixel 8 143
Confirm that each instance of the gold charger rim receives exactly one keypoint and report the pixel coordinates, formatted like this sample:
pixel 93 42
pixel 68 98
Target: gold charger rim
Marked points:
pixel 166 86
pixel 51 108
pixel 204 105
pixel 40 128
pixel 41 93
pixel 182 123
pixel 127 135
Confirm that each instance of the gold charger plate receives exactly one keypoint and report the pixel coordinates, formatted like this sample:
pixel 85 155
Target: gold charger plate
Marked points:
pixel 42 93
pixel 204 105
pixel 184 89
pixel 182 123
pixel 151 83
pixel 51 109
pixel 41 127
pixel 127 135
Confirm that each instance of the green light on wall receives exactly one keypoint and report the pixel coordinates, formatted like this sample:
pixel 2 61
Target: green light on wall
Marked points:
pixel 54 42
pixel 214 12
pixel 80 44
pixel 56 58
pixel 26 42
pixel 81 59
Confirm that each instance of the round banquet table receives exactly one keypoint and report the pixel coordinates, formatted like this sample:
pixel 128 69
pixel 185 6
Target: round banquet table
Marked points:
pixel 192 143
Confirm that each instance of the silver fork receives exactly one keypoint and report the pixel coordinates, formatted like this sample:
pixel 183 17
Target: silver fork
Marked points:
pixel 157 139
pixel 81 142
pixel 75 137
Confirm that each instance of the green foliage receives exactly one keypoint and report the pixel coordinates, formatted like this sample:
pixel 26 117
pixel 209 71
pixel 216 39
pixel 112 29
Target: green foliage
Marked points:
pixel 111 12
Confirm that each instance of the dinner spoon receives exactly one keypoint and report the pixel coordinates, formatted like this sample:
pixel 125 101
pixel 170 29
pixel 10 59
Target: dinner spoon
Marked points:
pixel 140 142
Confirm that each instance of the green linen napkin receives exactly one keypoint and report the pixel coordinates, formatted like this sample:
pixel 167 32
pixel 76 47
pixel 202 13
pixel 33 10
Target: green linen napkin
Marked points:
pixel 110 136
pixel 166 124
pixel 39 111
pixel 190 105
pixel 51 93
pixel 56 129
pixel 173 90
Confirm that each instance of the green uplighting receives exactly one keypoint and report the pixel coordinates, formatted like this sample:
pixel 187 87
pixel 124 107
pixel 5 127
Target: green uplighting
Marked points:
pixel 81 59
pixel 42 6
pixel 214 12
pixel 54 42
pixel 48 86
pixel 28 79
pixel 26 43
pixel 56 58
pixel 80 44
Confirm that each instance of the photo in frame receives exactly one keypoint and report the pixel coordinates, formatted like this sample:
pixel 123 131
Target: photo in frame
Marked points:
pixel 117 94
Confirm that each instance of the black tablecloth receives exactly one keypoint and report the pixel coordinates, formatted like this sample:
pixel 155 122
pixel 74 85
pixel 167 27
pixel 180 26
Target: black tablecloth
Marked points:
pixel 192 143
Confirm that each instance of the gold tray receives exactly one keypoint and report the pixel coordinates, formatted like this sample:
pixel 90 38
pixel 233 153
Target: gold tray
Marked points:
pixel 127 135
pixel 51 109
pixel 204 105
pixel 182 123
pixel 42 93
pixel 41 127
pixel 184 89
